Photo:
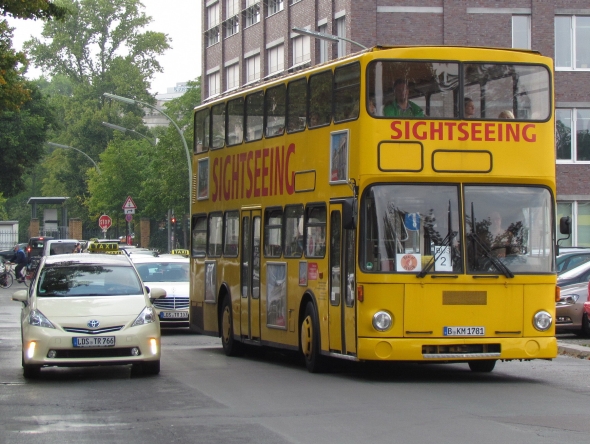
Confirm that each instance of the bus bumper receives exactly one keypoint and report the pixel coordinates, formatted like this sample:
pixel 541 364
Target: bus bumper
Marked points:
pixel 460 350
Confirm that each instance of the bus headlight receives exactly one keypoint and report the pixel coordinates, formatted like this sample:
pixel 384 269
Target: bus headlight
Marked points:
pixel 382 320
pixel 542 320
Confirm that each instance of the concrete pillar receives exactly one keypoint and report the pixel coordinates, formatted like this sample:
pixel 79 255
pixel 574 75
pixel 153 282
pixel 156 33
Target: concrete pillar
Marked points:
pixel 144 229
pixel 34 227
pixel 75 228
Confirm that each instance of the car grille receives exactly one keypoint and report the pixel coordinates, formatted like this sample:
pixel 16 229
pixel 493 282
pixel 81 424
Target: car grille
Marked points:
pixel 171 303
pixel 97 331
pixel 94 353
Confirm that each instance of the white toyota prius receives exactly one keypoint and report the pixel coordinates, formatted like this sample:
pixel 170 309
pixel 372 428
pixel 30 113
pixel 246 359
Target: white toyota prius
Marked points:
pixel 89 309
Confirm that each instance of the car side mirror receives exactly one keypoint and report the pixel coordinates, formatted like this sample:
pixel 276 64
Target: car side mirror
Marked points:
pixel 21 296
pixel 156 293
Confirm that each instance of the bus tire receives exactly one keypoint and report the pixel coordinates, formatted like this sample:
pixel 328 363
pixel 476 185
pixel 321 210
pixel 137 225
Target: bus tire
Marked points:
pixel 484 366
pixel 231 347
pixel 310 340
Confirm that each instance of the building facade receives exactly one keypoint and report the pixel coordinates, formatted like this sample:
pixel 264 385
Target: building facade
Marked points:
pixel 245 41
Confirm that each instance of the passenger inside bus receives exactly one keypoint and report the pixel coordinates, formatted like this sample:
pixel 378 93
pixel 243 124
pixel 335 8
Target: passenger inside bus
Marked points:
pixel 469 108
pixel 401 106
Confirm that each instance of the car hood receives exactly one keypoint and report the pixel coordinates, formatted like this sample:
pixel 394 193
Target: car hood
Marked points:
pixel 75 307
pixel 173 289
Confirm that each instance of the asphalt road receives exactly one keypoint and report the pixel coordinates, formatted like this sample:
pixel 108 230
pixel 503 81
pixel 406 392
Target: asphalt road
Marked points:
pixel 202 396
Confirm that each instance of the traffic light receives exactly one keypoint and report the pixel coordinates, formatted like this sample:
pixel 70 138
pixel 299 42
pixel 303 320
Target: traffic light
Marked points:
pixel 173 220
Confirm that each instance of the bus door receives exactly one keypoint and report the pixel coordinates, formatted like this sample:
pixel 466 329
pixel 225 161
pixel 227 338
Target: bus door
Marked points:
pixel 250 275
pixel 342 310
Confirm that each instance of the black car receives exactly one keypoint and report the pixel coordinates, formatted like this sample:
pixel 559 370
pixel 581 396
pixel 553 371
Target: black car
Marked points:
pixel 7 254
pixel 34 249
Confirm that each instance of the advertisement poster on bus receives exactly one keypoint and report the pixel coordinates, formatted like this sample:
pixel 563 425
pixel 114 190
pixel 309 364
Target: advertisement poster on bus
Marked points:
pixel 276 293
pixel 203 180
pixel 339 156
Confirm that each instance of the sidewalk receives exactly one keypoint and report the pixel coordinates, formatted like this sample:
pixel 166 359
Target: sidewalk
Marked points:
pixel 577 350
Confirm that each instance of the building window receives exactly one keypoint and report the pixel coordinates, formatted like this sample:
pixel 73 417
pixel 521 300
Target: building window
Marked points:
pixel 276 59
pixel 212 33
pixel 252 68
pixel 570 122
pixel 341 32
pixel 323 44
pixel 232 75
pixel 570 34
pixel 214 83
pixel 301 51
pixel 252 12
pixel 274 6
pixel 232 26
pixel 292 2
pixel 521 31
pixel 232 8
pixel 579 212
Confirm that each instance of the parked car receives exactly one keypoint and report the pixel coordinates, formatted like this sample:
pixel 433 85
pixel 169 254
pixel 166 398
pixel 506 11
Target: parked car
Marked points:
pixel 89 309
pixel 577 275
pixel 569 310
pixel 568 260
pixel 172 274
pixel 59 246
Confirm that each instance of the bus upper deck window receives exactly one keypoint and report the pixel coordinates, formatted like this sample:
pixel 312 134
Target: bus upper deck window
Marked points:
pixel 254 116
pixel 320 99
pixel 202 121
pixel 235 122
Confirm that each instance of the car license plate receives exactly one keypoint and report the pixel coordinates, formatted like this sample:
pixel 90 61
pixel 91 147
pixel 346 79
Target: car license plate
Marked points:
pixel 174 315
pixel 464 331
pixel 94 341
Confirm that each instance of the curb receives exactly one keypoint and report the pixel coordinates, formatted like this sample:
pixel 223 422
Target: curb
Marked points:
pixel 573 350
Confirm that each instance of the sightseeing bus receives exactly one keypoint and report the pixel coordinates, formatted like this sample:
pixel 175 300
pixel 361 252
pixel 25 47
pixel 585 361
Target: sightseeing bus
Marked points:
pixel 397 204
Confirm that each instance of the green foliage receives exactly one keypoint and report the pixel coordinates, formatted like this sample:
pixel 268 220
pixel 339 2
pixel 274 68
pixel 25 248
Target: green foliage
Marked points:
pixel 13 65
pixel 31 9
pixel 3 213
pixel 22 134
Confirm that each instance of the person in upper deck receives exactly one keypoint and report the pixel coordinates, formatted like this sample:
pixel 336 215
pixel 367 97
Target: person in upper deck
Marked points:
pixel 401 106
pixel 469 108
pixel 506 114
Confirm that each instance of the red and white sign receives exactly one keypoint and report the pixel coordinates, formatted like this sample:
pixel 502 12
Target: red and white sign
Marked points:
pixel 105 222
pixel 129 204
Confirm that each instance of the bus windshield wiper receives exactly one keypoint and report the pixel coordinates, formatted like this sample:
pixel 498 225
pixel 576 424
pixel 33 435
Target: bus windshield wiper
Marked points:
pixel 445 243
pixel 497 263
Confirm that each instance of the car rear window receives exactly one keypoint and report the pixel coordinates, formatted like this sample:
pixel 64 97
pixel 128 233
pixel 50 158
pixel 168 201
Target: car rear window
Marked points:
pixel 88 280
pixel 61 248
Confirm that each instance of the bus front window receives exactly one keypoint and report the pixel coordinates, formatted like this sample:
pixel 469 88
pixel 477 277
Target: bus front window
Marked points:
pixel 411 229
pixel 508 229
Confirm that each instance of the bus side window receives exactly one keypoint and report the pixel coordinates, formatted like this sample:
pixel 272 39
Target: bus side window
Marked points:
pixel 254 116
pixel 273 224
pixel 231 230
pixel 297 102
pixel 235 122
pixel 199 236
pixel 315 231
pixel 347 92
pixel 320 99
pixel 218 126
pixel 293 231
pixel 201 140
pixel 274 111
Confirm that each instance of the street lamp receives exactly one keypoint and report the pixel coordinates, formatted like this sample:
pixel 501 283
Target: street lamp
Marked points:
pixel 127 130
pixel 322 36
pixel 57 145
pixel 188 156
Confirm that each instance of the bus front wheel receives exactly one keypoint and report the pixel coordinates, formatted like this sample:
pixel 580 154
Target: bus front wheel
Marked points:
pixel 231 347
pixel 485 366
pixel 310 340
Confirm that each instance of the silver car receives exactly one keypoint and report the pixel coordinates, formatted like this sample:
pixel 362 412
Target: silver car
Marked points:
pixel 569 311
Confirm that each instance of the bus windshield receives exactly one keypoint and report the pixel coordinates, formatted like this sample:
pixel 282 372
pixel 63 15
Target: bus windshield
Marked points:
pixel 508 227
pixel 491 91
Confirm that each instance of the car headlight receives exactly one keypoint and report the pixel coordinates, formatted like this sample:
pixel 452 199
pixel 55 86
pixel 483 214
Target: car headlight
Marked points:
pixel 569 299
pixel 382 320
pixel 542 320
pixel 38 319
pixel 147 316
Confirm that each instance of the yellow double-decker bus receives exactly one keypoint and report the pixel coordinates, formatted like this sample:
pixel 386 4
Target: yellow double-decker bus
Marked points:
pixel 395 204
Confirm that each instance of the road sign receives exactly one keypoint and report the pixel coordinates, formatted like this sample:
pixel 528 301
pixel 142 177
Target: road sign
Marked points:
pixel 105 222
pixel 129 217
pixel 129 211
pixel 129 204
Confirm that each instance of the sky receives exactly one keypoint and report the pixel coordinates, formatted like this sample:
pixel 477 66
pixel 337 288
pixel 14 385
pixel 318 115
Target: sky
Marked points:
pixel 179 19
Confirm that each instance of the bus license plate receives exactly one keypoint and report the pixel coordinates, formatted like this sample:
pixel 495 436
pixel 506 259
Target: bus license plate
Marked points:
pixel 464 331
pixel 174 315
pixel 94 341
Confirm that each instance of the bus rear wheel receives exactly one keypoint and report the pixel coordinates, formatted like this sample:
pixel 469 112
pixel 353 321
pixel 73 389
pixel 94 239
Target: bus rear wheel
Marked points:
pixel 310 340
pixel 231 347
pixel 485 366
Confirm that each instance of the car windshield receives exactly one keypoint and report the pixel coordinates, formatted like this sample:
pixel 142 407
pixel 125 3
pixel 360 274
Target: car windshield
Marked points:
pixel 163 271
pixel 87 280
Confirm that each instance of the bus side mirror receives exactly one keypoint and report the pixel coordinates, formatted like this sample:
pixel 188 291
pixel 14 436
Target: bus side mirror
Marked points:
pixel 565 225
pixel 349 213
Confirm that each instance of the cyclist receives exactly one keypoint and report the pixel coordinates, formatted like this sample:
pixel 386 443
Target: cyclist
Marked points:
pixel 20 259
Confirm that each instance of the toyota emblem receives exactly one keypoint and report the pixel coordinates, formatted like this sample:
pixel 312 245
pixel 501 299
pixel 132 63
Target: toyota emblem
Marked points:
pixel 93 323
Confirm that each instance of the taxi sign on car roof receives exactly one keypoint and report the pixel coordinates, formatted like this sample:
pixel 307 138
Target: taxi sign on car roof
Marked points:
pixel 180 251
pixel 104 247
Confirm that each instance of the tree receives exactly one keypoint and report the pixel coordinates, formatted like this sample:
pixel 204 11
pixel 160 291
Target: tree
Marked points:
pixel 22 136
pixel 31 9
